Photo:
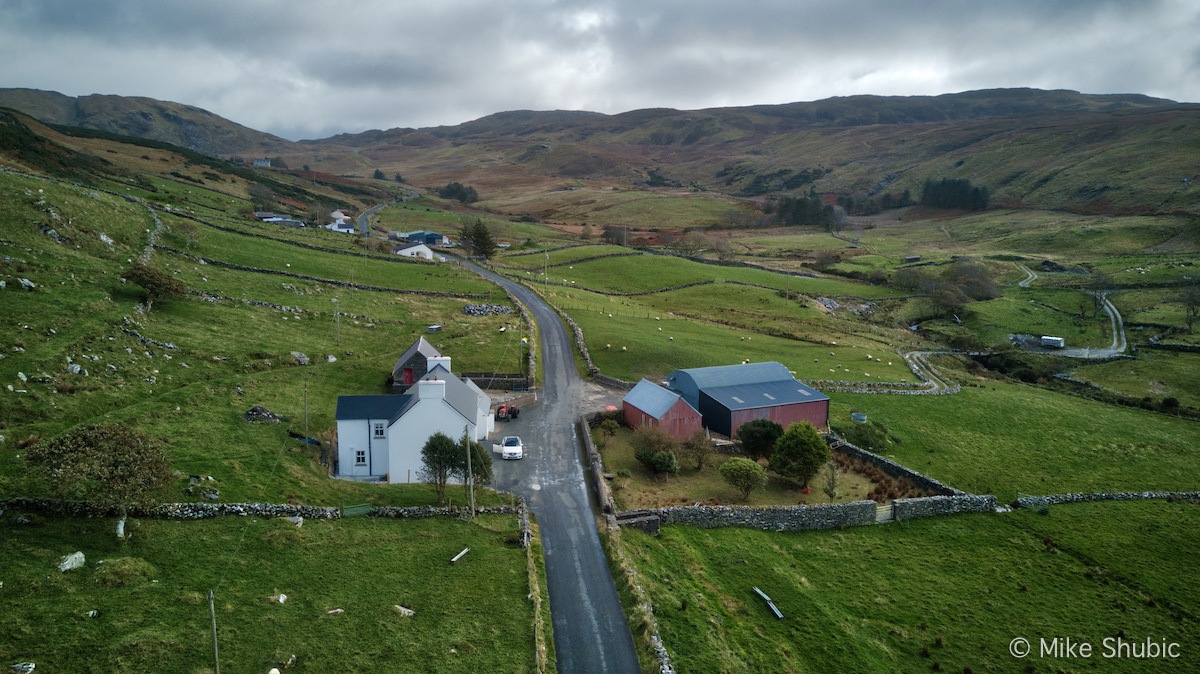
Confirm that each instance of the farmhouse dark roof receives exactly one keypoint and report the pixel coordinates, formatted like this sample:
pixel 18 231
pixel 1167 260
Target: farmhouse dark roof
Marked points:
pixel 389 407
pixel 763 394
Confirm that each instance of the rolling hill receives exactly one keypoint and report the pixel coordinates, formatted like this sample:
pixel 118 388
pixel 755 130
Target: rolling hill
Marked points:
pixel 1114 154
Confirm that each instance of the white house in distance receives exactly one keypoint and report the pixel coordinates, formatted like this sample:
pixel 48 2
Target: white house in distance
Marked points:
pixel 418 250
pixel 380 436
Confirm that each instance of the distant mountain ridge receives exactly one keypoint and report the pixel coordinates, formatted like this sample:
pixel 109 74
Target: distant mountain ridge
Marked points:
pixel 183 125
pixel 1061 149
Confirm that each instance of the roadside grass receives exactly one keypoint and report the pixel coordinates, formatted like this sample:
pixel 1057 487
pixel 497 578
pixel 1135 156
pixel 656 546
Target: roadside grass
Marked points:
pixel 947 594
pixel 1148 306
pixel 470 616
pixel 644 489
pixel 1157 374
pixel 1002 438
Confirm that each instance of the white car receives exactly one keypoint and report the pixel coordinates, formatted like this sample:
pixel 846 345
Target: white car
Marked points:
pixel 512 447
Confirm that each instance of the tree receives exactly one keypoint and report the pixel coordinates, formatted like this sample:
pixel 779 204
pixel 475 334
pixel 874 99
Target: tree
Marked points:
pixel 479 467
pixel 832 478
pixel 723 247
pixel 158 284
pixel 615 235
pixel 1097 285
pixel 399 178
pixel 585 232
pixel 698 448
pixel 655 450
pixel 1189 297
pixel 745 475
pixel 378 175
pixel 439 461
pixel 799 453
pixel 482 242
pixel 109 465
pixel 262 198
pixel 692 243
pixel 188 231
pixel 459 192
pixel 608 428
pixel 758 437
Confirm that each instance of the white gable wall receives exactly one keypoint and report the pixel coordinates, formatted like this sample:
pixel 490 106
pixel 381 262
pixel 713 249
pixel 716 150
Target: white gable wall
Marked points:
pixel 355 435
pixel 409 434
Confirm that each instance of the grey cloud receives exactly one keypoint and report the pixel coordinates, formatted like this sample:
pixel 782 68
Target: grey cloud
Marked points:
pixel 302 68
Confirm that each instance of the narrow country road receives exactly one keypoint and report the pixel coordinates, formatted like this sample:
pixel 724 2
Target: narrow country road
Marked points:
pixel 1030 276
pixel 1119 343
pixel 590 630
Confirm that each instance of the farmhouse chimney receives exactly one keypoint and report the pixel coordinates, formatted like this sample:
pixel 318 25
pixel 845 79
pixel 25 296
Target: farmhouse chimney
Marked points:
pixel 434 361
pixel 431 389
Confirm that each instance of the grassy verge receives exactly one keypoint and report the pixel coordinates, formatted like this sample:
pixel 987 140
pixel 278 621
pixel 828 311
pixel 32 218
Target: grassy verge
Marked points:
pixel 474 617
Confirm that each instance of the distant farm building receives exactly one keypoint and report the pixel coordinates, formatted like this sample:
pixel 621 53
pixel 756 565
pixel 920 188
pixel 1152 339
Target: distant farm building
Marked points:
pixel 1053 342
pixel 262 163
pixel 649 404
pixel 421 236
pixel 419 250
pixel 728 396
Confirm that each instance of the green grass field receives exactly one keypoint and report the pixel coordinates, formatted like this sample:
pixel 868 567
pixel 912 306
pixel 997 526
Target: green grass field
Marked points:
pixel 471 616
pixel 946 594
pixel 1004 439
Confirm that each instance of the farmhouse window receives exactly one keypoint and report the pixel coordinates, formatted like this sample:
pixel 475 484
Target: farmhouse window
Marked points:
pixel 379 429
pixel 360 457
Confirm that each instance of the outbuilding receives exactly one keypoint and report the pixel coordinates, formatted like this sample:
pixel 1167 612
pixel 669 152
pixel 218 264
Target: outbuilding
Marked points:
pixel 649 404
pixel 728 396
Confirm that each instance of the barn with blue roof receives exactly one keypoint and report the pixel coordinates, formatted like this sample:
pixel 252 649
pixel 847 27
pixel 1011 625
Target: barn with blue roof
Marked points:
pixel 649 404
pixel 728 396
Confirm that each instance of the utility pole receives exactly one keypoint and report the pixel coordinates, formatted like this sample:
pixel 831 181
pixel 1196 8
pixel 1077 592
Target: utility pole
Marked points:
pixel 470 473
pixel 212 612
pixel 337 321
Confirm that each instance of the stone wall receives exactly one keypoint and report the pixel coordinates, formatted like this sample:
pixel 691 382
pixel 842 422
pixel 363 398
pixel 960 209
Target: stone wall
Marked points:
pixel 933 506
pixel 595 468
pixel 1055 499
pixel 890 467
pixel 777 518
pixel 174 511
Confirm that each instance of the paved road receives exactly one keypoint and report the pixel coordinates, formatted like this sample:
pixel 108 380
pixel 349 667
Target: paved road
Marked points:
pixel 364 220
pixel 590 631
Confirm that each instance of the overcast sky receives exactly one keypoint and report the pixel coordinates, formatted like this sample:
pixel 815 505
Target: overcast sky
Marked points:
pixel 313 68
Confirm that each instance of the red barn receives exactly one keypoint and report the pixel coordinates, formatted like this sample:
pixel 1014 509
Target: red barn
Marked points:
pixel 730 395
pixel 649 404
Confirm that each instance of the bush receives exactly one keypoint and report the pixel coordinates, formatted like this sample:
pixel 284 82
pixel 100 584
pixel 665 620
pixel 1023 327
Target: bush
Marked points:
pixel 758 437
pixel 799 453
pixel 745 475
pixel 655 450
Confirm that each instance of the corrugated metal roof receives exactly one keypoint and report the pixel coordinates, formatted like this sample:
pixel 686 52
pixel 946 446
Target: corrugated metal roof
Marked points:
pixel 652 398
pixel 764 394
pixel 733 375
pixel 388 407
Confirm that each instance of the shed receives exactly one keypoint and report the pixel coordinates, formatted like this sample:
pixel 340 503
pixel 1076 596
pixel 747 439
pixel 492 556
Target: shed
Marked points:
pixel 413 365
pixel 649 404
pixel 728 396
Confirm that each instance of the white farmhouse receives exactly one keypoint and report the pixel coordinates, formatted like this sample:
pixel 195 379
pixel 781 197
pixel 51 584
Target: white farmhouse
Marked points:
pixel 380 436
pixel 419 250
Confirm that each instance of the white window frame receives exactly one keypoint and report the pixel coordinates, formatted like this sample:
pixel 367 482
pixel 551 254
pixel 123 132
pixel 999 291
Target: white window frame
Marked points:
pixel 360 457
pixel 379 430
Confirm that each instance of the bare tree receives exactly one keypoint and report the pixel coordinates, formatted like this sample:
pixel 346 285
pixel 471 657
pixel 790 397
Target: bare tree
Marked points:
pixel 1189 297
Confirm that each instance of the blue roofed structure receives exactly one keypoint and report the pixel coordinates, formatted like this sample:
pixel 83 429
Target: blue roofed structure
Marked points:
pixel 649 404
pixel 728 396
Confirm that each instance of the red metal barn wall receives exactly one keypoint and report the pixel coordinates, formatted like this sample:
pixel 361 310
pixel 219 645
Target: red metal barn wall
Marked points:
pixel 815 413
pixel 680 422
